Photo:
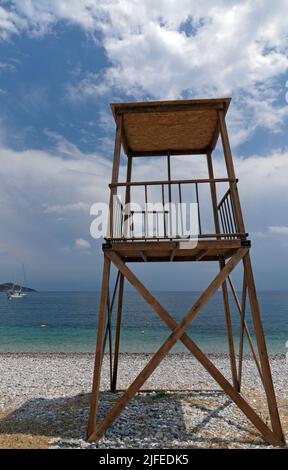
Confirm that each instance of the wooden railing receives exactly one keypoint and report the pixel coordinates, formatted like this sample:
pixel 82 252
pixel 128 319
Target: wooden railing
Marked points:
pixel 159 223
pixel 227 216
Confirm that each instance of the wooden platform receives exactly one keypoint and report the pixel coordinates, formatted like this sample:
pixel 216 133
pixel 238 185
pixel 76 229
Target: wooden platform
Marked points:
pixel 204 250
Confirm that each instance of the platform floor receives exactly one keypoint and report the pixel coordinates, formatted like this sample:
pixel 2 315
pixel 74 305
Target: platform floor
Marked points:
pixel 204 250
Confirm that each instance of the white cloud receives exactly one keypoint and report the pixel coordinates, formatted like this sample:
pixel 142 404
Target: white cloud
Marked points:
pixel 279 230
pixel 82 244
pixel 66 208
pixel 236 48
pixel 10 23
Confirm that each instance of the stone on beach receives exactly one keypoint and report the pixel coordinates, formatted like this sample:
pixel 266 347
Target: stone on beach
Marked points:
pixel 45 400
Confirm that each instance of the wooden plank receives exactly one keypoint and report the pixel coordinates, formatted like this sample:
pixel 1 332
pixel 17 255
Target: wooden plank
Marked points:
pixel 173 152
pixel 115 171
pixel 167 245
pixel 231 172
pixel 178 331
pixel 194 102
pixel 192 236
pixel 262 349
pixel 127 194
pixel 244 328
pixel 166 258
pixel 213 192
pixel 99 347
pixel 173 254
pixel 201 255
pixel 229 327
pixel 180 107
pixel 160 182
pixel 143 256
pixel 117 334
pixel 108 333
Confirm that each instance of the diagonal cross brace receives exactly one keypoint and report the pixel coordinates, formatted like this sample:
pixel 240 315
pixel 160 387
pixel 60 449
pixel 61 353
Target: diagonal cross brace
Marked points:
pixel 179 332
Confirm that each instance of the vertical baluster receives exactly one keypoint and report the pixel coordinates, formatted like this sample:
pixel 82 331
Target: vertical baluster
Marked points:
pixel 143 224
pixel 224 220
pixel 114 215
pixel 181 212
pixel 227 216
pixel 169 194
pixel 122 222
pixel 230 215
pixel 198 208
pixel 157 224
pixel 116 218
pixel 233 212
pixel 146 212
pixel 164 215
pixel 132 224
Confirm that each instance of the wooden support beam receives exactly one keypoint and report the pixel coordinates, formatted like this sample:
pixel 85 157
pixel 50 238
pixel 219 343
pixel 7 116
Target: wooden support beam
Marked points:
pixel 115 171
pixel 146 108
pixel 201 254
pixel 144 257
pixel 160 182
pixel 99 347
pixel 173 254
pixel 108 333
pixel 173 152
pixel 229 327
pixel 244 328
pixel 224 285
pixel 127 194
pixel 213 192
pixel 262 349
pixel 117 334
pixel 231 172
pixel 242 311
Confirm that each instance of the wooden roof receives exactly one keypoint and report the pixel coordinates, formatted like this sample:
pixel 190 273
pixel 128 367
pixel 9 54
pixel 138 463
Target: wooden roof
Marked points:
pixel 180 127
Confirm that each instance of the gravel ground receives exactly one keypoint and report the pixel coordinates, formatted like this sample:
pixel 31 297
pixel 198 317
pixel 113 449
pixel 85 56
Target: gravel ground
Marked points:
pixel 44 402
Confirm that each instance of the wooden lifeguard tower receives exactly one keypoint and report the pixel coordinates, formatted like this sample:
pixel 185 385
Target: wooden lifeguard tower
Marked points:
pixel 166 129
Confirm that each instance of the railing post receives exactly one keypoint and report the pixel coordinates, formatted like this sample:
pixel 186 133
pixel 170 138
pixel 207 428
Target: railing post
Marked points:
pixel 213 192
pixel 169 193
pixel 231 173
pixel 115 171
pixel 127 193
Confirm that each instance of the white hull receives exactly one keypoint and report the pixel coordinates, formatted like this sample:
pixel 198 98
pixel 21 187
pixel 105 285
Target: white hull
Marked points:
pixel 15 295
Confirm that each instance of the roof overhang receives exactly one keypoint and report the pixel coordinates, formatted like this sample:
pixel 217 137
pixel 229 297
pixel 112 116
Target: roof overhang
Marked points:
pixel 183 127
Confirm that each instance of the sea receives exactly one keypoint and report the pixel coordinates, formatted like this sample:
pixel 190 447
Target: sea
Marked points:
pixel 70 320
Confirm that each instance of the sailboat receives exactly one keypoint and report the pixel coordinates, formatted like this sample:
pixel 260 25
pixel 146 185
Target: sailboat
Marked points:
pixel 17 293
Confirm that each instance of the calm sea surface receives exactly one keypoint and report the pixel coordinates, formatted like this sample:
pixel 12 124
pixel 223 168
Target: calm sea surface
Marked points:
pixel 71 319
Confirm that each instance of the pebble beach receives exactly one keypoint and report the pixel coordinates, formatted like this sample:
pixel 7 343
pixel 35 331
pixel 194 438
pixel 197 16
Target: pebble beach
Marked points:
pixel 44 402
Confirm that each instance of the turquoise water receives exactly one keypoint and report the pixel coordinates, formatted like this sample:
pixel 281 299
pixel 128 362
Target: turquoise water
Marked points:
pixel 71 319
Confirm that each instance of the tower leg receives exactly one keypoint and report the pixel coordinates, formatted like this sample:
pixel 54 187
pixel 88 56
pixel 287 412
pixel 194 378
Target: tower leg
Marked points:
pixel 117 336
pixel 99 347
pixel 262 349
pixel 229 332
pixel 108 333
pixel 241 334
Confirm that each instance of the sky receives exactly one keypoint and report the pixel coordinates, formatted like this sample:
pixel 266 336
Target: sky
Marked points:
pixel 63 61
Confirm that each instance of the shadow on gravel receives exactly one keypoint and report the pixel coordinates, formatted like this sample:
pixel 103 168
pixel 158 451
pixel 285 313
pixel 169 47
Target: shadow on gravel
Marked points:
pixel 158 420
